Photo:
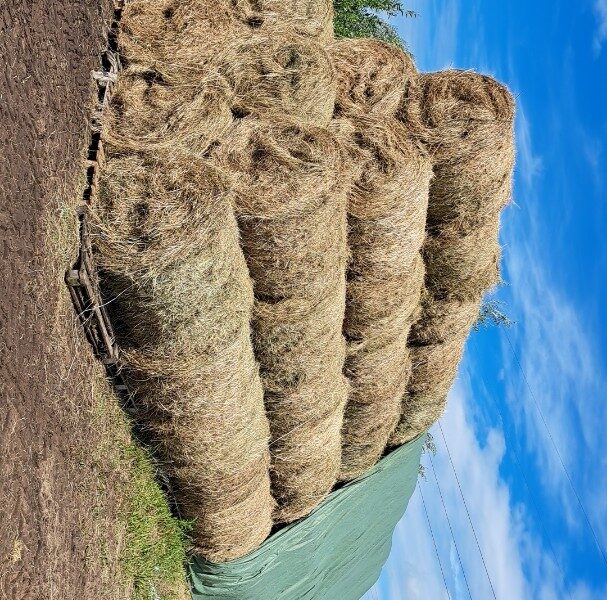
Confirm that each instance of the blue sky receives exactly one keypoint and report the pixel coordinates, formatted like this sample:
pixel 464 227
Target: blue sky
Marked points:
pixel 550 366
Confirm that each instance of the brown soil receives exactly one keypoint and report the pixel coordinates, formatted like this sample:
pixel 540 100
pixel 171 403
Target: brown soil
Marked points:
pixel 57 538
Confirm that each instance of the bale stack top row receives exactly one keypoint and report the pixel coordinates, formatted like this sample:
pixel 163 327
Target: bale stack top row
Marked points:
pixel 294 234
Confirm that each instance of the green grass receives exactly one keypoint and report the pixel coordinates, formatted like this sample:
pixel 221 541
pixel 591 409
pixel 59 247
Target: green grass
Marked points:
pixel 156 542
pixel 366 18
pixel 154 547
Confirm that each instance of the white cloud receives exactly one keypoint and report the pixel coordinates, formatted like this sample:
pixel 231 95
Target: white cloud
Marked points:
pixel 600 9
pixel 528 162
pixel 413 569
pixel 518 562
pixel 557 353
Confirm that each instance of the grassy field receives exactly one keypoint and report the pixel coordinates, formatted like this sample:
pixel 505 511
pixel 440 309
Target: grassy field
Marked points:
pixel 153 555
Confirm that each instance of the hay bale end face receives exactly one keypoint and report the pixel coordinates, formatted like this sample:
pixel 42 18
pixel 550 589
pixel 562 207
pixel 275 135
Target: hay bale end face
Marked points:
pixel 176 36
pixel 373 77
pixel 151 110
pixel 468 121
pixel 279 74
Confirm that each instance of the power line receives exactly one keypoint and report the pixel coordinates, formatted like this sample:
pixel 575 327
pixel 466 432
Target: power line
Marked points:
pixel 461 493
pixel 541 413
pixel 440 492
pixel 440 564
pixel 521 471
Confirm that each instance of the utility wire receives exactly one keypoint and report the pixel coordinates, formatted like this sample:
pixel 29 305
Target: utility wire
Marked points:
pixel 521 471
pixel 440 564
pixel 541 413
pixel 449 523
pixel 461 493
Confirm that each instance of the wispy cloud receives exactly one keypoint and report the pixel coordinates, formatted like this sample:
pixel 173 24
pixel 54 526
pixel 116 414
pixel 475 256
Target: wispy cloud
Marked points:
pixel 600 10
pixel 529 163
pixel 557 353
pixel 413 568
pixel 519 564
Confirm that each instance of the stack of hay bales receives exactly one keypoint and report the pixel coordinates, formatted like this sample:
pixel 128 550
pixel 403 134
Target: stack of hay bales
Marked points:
pixel 290 289
pixel 186 113
pixel 468 127
pixel 291 189
pixel 386 220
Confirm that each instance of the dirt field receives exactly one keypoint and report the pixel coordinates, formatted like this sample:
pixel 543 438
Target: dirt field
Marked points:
pixel 58 537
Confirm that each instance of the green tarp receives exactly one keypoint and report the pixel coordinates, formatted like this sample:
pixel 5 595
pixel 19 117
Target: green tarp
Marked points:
pixel 336 553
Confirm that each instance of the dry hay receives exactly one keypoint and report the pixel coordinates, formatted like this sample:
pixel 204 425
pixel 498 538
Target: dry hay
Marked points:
pixel 373 77
pixel 176 35
pixel 181 36
pixel 436 343
pixel 267 70
pixel 313 18
pixel 279 73
pixel 386 218
pixel 177 285
pixel 291 202
pixel 468 122
pixel 463 266
pixel 468 126
pixel 179 48
pixel 443 319
pixel 151 110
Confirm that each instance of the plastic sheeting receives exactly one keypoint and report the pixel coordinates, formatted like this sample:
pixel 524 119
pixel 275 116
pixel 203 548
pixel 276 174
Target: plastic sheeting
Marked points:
pixel 336 553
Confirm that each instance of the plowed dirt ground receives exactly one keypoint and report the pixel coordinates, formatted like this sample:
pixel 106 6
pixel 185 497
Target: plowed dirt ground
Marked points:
pixel 58 534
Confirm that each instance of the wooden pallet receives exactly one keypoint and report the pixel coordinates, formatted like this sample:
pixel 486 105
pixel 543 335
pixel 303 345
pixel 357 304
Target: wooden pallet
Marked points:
pixel 82 280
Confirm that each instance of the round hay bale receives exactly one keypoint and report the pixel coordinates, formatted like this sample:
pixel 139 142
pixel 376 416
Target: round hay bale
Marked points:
pixel 434 367
pixel 207 423
pixel 176 36
pixel 291 189
pixel 304 396
pixel 279 73
pixel 468 126
pixel 386 218
pixel 173 275
pixel 313 18
pixel 373 77
pixel 150 110
pixel 265 155
pixel 463 266
pixel 373 407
